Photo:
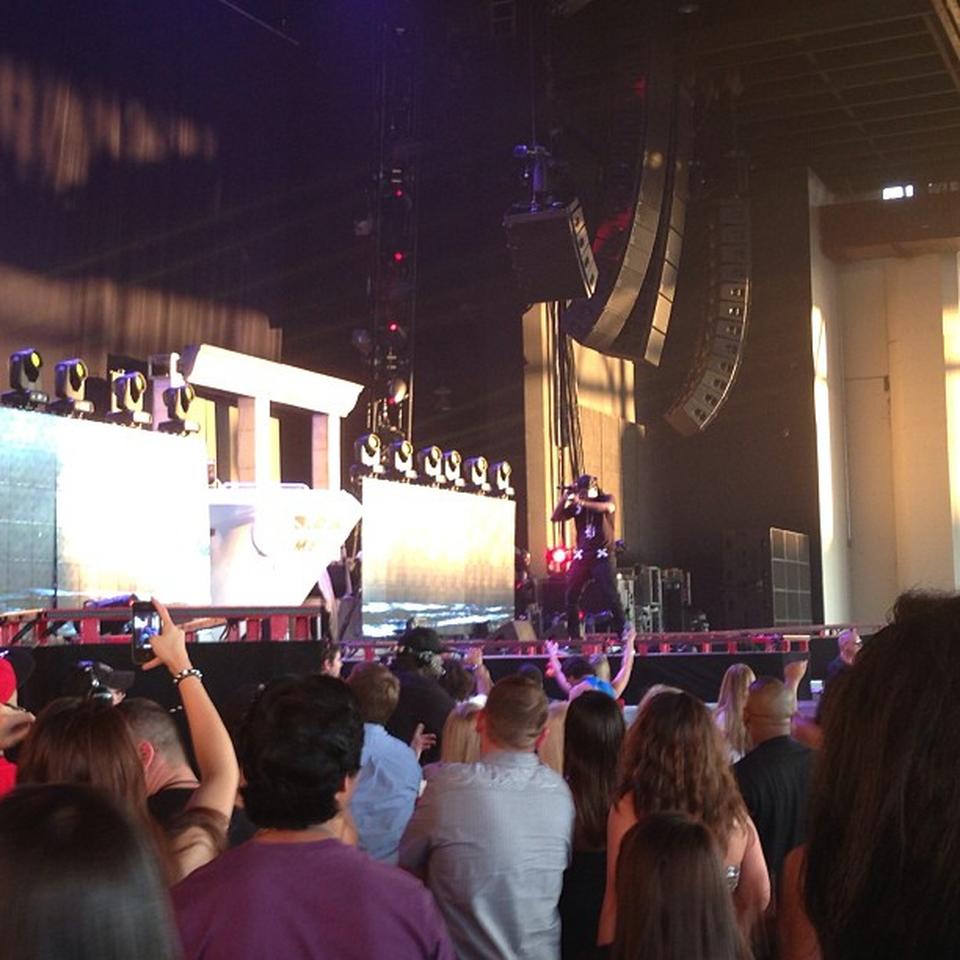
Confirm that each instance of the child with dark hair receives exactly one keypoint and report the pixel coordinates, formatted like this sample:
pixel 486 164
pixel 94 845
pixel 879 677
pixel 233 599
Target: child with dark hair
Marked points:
pixel 672 894
pixel 300 750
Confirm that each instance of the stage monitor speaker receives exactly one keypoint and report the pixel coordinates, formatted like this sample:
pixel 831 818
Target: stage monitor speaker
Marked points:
pixel 551 254
pixel 720 353
pixel 520 631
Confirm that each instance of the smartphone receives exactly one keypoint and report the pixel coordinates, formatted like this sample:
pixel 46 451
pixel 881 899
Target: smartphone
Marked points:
pixel 146 625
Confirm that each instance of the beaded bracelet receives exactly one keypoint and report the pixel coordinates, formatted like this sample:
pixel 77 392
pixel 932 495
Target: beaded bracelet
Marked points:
pixel 183 674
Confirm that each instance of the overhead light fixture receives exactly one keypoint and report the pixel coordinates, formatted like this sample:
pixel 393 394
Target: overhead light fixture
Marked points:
pixel 24 381
pixel 127 392
pixel 502 474
pixel 400 460
pixel 367 456
pixel 430 464
pixel 477 473
pixel 453 468
pixel 70 386
pixel 177 401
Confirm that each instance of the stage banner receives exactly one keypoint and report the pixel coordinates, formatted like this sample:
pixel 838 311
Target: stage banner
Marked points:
pixel 93 510
pixel 443 557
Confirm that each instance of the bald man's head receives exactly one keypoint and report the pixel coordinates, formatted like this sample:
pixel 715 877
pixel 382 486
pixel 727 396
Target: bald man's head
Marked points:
pixel 769 709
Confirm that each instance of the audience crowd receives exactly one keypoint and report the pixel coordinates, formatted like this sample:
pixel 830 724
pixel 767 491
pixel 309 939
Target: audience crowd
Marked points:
pixel 419 810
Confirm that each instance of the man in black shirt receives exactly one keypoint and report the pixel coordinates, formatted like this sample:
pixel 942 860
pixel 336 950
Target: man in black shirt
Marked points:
pixel 592 512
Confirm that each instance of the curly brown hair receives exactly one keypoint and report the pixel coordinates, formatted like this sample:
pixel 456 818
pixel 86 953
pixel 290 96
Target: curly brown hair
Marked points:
pixel 674 759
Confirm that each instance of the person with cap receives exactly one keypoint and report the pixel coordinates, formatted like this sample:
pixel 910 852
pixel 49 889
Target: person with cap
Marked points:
pixel 423 701
pixel 774 775
pixel 592 512
pixel 15 722
pixel 95 680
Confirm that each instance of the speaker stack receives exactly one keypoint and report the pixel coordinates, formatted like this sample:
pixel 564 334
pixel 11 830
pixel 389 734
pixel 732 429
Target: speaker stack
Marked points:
pixel 720 354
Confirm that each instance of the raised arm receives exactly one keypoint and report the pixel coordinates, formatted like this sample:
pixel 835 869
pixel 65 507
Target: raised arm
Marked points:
pixel 219 772
pixel 556 670
pixel 622 679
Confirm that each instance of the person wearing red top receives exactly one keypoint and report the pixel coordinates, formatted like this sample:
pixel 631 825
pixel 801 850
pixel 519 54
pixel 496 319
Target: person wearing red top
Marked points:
pixel 15 722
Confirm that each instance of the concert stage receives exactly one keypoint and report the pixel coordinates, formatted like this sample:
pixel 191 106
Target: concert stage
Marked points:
pixel 232 670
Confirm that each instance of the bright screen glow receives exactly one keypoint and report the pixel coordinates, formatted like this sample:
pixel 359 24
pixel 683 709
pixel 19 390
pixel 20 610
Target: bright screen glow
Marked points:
pixel 93 510
pixel 443 557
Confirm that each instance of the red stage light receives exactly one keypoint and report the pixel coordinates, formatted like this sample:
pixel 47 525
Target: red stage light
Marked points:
pixel 559 555
pixel 398 256
pixel 393 327
pixel 398 193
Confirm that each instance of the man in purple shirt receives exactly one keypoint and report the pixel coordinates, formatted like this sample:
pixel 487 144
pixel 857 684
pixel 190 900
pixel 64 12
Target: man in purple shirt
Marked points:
pixel 297 890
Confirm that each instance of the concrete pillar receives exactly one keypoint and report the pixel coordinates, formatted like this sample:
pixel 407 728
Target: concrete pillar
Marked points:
pixel 253 440
pixel 325 452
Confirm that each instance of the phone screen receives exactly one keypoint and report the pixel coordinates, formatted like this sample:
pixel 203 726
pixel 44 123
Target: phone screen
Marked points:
pixel 146 625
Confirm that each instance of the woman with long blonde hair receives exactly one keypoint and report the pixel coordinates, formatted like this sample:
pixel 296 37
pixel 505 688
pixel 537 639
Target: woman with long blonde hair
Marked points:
pixel 728 713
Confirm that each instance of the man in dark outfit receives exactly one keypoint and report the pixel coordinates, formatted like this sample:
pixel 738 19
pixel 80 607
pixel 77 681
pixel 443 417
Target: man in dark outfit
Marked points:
pixel 774 776
pixel 422 700
pixel 593 557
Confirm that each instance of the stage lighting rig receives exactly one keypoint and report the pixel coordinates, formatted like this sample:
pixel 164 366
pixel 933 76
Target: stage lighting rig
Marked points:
pixel 453 468
pixel 430 465
pixel 368 456
pixel 177 401
pixel 24 392
pixel 127 392
pixel 478 471
pixel 400 460
pixel 502 473
pixel 70 386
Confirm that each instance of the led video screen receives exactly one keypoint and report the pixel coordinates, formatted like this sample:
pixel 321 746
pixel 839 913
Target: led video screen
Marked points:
pixel 442 557
pixel 92 510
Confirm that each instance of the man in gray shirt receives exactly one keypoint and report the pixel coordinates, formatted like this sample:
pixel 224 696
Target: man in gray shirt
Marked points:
pixel 493 838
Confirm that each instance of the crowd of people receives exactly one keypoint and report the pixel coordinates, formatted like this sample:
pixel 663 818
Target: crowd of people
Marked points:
pixel 419 810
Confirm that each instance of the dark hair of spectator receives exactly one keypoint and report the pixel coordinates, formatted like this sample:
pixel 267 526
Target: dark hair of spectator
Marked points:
pixel 457 680
pixel 79 879
pixel 593 736
pixel 673 901
pixel 85 741
pixel 328 651
pixel 301 738
pixel 883 860
pixel 377 691
pixel 576 668
pixel 515 712
pixel 150 722
pixel 674 758
pixel 532 672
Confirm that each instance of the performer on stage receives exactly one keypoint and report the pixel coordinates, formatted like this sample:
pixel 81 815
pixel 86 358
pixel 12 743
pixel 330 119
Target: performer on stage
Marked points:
pixel 593 557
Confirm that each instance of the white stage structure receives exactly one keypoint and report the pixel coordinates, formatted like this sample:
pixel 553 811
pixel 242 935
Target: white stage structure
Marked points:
pixel 270 543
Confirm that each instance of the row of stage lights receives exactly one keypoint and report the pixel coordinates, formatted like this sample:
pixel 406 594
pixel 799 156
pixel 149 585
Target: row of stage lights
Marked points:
pixel 128 392
pixel 430 466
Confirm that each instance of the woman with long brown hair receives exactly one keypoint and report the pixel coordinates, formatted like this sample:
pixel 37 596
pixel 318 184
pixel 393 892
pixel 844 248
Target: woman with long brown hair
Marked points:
pixel 593 736
pixel 674 760
pixel 674 902
pixel 86 741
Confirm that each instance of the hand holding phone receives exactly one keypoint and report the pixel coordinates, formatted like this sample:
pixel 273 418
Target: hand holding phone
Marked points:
pixel 146 625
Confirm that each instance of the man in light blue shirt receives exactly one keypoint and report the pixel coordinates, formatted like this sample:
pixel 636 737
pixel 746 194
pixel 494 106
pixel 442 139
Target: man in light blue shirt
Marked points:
pixel 493 838
pixel 389 778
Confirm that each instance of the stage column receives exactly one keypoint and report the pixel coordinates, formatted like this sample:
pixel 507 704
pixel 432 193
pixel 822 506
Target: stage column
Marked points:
pixel 325 452
pixel 539 350
pixel 253 439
